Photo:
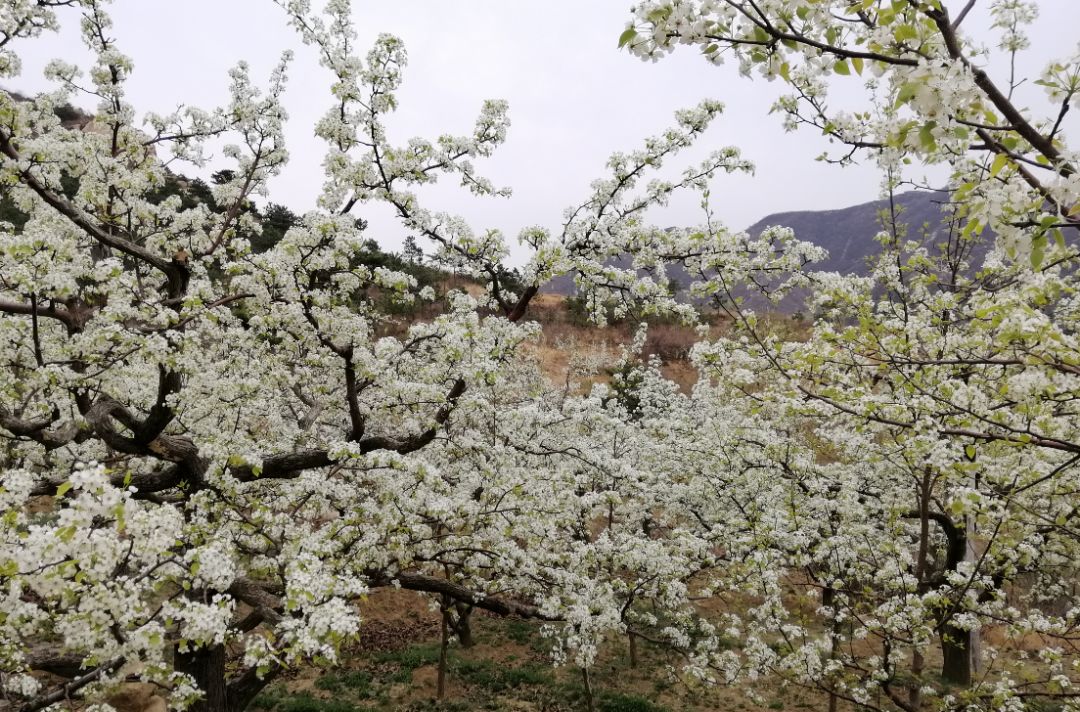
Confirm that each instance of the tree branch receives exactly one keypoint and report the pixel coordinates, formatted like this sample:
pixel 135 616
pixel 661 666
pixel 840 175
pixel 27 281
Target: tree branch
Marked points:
pixel 175 272
pixel 431 584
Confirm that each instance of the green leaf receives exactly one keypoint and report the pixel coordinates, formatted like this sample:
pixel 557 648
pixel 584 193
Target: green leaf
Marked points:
pixel 857 62
pixel 905 32
pixel 659 15
pixel 62 489
pixel 785 71
pixel 841 67
pixel 1038 250
pixel 1000 161
pixel 973 227
pixel 627 36
pixel 969 452
pixel 926 136
pixel 907 91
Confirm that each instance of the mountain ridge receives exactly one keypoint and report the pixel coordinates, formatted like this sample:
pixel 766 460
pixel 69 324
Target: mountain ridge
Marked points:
pixel 847 234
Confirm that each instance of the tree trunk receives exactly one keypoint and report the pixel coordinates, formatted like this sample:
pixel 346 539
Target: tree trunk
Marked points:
pixel 444 643
pixel 463 624
pixel 633 649
pixel 975 635
pixel 960 648
pixel 244 688
pixel 207 666
pixel 828 598
pixel 590 701
pixel 918 661
pixel 956 652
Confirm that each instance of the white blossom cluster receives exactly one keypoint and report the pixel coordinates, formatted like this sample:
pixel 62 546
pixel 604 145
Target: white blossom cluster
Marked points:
pixel 273 444
pixel 895 486
pixel 841 508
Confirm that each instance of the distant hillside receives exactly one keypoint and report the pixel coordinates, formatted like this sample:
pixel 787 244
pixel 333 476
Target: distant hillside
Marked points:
pixel 71 117
pixel 847 233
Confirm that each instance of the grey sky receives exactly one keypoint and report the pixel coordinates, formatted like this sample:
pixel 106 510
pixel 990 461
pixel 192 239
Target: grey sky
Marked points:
pixel 574 98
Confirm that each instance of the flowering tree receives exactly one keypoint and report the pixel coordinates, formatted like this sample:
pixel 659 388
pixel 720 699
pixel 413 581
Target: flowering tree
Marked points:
pixel 909 480
pixel 210 452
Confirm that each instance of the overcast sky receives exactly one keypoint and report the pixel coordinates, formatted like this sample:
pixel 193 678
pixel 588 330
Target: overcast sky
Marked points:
pixel 574 97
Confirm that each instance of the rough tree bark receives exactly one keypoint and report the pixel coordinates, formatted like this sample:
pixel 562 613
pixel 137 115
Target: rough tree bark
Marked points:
pixel 207 666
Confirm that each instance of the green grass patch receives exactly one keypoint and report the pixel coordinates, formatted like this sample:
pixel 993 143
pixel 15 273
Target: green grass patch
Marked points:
pixel 358 682
pixel 618 702
pixel 486 674
pixel 410 658
pixel 496 677
pixel 528 675
pixel 268 698
pixel 280 701
pixel 520 632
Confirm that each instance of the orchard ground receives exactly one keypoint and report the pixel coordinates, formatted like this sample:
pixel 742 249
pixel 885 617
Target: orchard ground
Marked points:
pixel 394 667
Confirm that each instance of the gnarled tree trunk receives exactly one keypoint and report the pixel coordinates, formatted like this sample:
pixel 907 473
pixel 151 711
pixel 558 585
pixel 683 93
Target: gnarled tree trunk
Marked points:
pixel 956 651
pixel 207 666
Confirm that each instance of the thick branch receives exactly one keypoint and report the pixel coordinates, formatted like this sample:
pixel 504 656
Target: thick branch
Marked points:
pixel 1040 143
pixel 175 272
pixel 284 466
pixel 289 465
pixel 64 316
pixel 41 430
pixel 956 536
pixel 258 597
pixel 148 483
pixel 241 690
pixel 431 584
pixel 66 691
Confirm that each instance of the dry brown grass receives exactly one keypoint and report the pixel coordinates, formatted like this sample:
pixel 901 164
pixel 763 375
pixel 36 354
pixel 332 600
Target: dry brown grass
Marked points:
pixel 568 343
pixel 567 340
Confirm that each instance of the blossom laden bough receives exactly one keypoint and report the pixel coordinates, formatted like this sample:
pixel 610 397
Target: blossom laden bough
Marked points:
pixel 270 450
pixel 917 440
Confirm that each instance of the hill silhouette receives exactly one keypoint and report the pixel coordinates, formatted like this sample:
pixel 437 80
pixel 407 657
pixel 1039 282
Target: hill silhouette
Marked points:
pixel 846 233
